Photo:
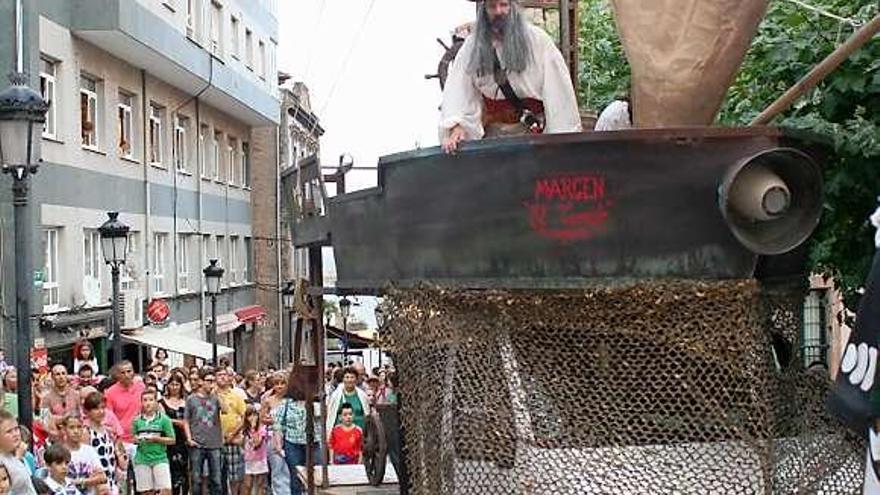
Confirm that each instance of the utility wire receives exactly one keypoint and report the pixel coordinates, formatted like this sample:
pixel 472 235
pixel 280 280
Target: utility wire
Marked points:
pixel 354 43
pixel 313 37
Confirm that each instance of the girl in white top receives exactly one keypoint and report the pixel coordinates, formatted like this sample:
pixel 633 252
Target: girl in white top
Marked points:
pixel 85 354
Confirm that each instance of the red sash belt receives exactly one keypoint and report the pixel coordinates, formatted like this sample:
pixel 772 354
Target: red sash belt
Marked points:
pixel 503 112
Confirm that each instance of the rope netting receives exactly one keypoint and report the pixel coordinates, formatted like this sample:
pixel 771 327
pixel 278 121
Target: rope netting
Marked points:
pixel 656 387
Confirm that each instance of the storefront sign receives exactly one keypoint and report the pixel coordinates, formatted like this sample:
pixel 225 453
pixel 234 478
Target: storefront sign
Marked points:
pixel 158 311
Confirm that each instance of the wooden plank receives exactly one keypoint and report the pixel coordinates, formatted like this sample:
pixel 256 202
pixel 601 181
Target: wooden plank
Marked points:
pixel 565 37
pixel 353 475
pixel 820 71
pixel 540 4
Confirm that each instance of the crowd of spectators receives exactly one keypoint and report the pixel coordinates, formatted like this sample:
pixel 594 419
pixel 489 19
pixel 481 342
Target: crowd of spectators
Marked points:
pixel 196 430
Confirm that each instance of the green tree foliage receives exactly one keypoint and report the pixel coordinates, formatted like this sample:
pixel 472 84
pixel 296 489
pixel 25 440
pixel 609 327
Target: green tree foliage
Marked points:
pixel 604 72
pixel 330 308
pixel 845 109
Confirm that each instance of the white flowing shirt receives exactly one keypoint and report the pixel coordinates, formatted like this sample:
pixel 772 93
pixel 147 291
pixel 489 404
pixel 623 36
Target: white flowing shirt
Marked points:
pixel 545 78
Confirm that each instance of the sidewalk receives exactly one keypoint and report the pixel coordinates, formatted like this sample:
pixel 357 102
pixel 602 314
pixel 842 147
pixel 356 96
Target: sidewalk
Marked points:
pixel 352 480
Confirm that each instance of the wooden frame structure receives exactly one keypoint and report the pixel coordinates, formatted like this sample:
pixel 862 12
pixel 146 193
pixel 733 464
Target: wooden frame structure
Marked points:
pixel 568 29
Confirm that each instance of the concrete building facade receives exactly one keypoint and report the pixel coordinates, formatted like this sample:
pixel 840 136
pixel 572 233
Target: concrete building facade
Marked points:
pixel 296 138
pixel 153 107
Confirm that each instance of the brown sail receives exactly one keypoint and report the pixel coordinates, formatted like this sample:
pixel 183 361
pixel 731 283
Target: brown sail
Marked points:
pixel 684 55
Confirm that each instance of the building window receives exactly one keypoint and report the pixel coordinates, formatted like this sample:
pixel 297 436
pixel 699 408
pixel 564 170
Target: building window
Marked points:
pixel 245 165
pixel 190 17
pixel 181 150
pixel 90 112
pixel 815 338
pixel 48 71
pixel 216 29
pixel 232 161
pixel 92 254
pixel 50 271
pixel 204 152
pixel 222 260
pixel 124 124
pixel 236 36
pixel 126 276
pixel 157 117
pixel 246 265
pixel 249 48
pixel 233 260
pixel 206 255
pixel 261 60
pixel 272 62
pixel 216 155
pixel 160 247
pixel 183 262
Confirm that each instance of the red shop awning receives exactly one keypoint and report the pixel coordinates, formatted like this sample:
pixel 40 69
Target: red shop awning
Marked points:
pixel 250 314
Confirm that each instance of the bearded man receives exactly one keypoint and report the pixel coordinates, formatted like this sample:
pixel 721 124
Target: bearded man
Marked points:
pixel 506 47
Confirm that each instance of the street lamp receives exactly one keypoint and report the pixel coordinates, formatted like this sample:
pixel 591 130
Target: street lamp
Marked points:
pixel 380 325
pixel 114 245
pixel 344 310
pixel 287 298
pixel 22 114
pixel 213 274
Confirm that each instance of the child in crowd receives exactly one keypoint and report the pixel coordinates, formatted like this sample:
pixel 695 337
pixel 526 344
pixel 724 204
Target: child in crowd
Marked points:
pixel 85 377
pixel 83 355
pixel 256 465
pixel 5 481
pixel 102 432
pixel 154 432
pixel 84 465
pixel 24 452
pixel 346 439
pixel 57 458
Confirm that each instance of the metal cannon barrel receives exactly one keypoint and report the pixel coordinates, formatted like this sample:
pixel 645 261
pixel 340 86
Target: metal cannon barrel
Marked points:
pixel 575 210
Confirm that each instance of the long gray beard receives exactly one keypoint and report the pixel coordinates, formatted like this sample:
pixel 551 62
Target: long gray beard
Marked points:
pixel 516 53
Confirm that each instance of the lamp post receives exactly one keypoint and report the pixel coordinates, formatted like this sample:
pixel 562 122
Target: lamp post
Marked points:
pixel 213 274
pixel 22 113
pixel 344 310
pixel 380 325
pixel 114 245
pixel 287 298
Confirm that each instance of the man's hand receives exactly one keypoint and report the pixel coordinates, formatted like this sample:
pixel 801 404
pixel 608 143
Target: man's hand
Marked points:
pixel 450 143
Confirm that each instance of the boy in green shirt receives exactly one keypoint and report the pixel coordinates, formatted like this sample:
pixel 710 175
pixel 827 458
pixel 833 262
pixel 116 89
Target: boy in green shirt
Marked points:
pixel 154 432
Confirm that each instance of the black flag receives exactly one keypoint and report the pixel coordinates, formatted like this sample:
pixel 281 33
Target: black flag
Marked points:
pixel 852 398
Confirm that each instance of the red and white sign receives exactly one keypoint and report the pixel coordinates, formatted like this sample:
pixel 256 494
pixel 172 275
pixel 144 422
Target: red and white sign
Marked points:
pixel 158 311
pixel 40 360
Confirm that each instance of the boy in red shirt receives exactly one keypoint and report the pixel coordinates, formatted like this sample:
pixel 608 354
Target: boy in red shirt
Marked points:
pixel 346 439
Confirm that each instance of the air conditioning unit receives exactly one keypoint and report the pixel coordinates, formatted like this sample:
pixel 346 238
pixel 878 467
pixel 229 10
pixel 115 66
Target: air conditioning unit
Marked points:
pixel 131 305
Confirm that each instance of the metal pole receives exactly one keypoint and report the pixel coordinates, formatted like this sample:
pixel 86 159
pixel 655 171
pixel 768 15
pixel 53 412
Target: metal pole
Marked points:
pixel 23 292
pixel 214 329
pixel 290 333
pixel 114 318
pixel 19 37
pixel 344 341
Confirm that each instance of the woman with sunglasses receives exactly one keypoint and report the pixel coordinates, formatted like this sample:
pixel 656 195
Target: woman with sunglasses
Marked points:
pixel 174 403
